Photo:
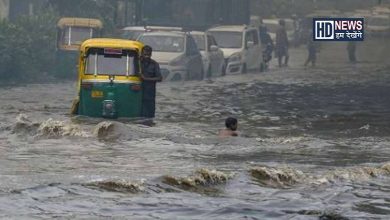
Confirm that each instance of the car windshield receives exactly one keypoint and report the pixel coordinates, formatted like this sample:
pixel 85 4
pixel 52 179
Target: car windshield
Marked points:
pixel 228 39
pixel 77 35
pixel 111 62
pixel 200 42
pixel 132 34
pixel 171 44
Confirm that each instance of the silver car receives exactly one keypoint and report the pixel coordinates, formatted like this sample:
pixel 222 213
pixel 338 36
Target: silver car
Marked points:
pixel 212 55
pixel 177 54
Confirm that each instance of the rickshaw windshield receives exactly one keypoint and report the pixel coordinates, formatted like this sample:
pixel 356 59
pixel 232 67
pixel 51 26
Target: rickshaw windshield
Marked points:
pixel 116 62
pixel 77 35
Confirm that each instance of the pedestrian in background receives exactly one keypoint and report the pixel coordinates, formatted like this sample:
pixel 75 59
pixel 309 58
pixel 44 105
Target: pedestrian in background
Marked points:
pixel 351 48
pixel 281 43
pixel 312 49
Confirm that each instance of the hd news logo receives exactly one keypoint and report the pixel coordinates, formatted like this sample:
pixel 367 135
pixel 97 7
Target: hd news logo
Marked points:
pixel 338 29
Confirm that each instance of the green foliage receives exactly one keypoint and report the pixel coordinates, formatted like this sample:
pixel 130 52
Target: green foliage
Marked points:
pixel 27 47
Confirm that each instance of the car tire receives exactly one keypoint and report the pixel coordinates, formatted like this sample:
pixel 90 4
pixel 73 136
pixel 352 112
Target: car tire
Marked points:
pixel 209 73
pixel 201 75
pixel 262 67
pixel 244 68
pixel 224 67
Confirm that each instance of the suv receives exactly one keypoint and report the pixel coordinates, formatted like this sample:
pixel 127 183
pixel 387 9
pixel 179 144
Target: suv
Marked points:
pixel 213 59
pixel 177 54
pixel 241 47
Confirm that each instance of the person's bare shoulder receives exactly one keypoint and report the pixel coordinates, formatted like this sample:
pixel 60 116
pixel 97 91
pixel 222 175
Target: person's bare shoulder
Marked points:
pixel 227 133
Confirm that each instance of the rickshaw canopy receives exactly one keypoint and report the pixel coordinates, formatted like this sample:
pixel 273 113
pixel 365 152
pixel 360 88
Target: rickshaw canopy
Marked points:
pixel 111 43
pixel 108 43
pixel 80 22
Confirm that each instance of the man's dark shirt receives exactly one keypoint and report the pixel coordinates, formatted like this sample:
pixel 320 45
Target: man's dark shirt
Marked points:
pixel 281 40
pixel 150 69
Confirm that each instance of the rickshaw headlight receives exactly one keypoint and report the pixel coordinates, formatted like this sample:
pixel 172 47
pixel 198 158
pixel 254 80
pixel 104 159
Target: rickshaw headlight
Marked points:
pixel 109 109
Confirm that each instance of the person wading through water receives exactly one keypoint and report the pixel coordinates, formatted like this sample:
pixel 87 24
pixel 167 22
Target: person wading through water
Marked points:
pixel 281 44
pixel 231 128
pixel 150 76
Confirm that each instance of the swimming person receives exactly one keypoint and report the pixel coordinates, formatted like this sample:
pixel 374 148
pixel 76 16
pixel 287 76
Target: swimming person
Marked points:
pixel 231 128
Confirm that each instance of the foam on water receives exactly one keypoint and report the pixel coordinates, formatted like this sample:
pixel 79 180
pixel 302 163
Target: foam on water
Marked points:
pixel 202 181
pixel 287 176
pixel 55 129
pixel 119 186
pixel 25 125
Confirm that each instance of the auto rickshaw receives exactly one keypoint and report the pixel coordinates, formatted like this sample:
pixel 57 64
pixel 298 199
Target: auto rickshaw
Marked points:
pixel 72 32
pixel 109 85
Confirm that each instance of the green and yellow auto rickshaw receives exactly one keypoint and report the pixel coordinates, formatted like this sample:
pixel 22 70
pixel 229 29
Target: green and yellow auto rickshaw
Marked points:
pixel 109 85
pixel 72 32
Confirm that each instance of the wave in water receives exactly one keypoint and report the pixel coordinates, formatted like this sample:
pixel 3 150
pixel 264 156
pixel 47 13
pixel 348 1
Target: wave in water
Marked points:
pixel 287 176
pixel 55 129
pixel 120 186
pixel 202 181
pixel 201 177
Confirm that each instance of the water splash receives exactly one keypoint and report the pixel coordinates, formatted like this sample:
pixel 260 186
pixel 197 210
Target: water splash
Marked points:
pixel 120 186
pixel 277 177
pixel 55 129
pixel 355 174
pixel 282 140
pixel 24 125
pixel 104 130
pixel 287 176
pixel 202 181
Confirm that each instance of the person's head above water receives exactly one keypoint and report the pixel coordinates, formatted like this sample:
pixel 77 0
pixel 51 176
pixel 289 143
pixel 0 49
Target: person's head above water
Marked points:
pixel 231 123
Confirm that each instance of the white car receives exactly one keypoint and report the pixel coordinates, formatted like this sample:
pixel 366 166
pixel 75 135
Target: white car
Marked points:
pixel 241 47
pixel 273 25
pixel 177 54
pixel 212 55
pixel 132 32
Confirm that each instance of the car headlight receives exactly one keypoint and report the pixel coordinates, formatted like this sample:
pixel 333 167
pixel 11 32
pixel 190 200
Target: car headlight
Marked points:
pixel 235 57
pixel 178 61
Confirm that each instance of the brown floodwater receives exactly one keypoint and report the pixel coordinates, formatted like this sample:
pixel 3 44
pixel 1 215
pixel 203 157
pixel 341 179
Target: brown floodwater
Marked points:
pixel 314 143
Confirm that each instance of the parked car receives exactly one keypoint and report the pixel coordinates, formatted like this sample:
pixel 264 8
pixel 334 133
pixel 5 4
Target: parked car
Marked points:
pixel 177 54
pixel 212 55
pixel 273 25
pixel 241 47
pixel 133 32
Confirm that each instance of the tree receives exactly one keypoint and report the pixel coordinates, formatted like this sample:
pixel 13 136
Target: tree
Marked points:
pixel 27 46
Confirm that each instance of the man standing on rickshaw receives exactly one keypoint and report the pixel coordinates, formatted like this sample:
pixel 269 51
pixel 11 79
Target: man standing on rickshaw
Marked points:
pixel 150 75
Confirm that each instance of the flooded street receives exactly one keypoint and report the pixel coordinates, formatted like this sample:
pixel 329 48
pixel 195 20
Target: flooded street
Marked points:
pixel 314 143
